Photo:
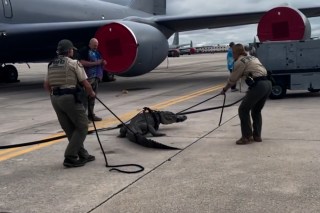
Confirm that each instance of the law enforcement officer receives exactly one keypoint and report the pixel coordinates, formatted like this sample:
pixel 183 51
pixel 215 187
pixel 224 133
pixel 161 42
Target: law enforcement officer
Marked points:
pixel 259 90
pixel 93 63
pixel 64 74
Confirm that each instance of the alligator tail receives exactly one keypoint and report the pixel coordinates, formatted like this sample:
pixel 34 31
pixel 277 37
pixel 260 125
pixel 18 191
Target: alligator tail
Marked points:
pixel 143 141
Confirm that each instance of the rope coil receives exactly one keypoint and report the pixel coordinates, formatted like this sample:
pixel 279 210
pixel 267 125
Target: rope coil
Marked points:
pixel 114 167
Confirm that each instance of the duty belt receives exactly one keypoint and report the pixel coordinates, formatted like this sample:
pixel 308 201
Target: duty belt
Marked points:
pixel 260 78
pixel 251 82
pixel 58 91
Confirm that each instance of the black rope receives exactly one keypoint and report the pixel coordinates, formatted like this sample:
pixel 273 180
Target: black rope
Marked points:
pixel 147 122
pixel 50 139
pixel 199 103
pixel 224 102
pixel 114 167
pixel 60 137
pixel 152 113
pixel 32 143
pixel 122 123
pixel 211 108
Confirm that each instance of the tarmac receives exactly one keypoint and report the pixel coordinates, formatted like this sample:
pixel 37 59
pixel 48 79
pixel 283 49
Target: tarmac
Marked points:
pixel 209 174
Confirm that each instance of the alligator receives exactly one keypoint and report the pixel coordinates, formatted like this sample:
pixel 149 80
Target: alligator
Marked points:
pixel 146 122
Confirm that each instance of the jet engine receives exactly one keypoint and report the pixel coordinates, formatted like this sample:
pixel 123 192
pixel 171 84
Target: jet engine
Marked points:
pixel 131 48
pixel 284 23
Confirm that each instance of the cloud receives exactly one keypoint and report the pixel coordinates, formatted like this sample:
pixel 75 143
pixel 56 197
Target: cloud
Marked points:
pixel 241 34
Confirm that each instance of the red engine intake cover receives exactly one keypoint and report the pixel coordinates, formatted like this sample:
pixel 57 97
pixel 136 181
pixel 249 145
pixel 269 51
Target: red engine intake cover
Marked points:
pixel 118 47
pixel 283 23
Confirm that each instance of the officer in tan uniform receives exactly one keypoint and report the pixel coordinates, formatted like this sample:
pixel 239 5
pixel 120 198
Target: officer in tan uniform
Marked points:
pixel 61 81
pixel 259 90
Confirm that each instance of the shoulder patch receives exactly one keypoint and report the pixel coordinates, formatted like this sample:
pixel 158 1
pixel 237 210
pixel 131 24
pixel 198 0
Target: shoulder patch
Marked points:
pixel 80 65
pixel 247 59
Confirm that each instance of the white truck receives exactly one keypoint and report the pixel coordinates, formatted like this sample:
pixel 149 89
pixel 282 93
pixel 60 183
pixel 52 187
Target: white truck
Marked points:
pixel 294 65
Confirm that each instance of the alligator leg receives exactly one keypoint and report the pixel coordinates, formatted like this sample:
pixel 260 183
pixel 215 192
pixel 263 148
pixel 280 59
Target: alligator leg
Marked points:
pixel 123 132
pixel 154 132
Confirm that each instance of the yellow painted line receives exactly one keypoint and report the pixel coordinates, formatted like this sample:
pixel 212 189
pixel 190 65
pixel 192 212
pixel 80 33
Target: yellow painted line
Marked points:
pixel 30 149
pixel 5 151
pixel 14 152
pixel 185 97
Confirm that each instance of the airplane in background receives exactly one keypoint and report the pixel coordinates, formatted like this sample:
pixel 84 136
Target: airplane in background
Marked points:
pixel 176 49
pixel 176 43
pixel 188 50
pixel 132 38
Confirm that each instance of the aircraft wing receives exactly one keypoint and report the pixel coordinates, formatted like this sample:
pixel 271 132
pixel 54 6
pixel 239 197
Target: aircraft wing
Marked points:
pixel 175 23
pixel 187 23
pixel 132 46
pixel 80 31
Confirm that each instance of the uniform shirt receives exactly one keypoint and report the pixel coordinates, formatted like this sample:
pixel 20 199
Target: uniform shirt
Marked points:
pixel 92 55
pixel 230 60
pixel 64 72
pixel 245 66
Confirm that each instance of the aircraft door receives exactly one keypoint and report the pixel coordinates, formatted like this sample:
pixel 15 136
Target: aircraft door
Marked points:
pixel 7 9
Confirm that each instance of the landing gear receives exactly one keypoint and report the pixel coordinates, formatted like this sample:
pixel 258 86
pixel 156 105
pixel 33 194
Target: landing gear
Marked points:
pixel 107 77
pixel 173 53
pixel 278 91
pixel 8 74
pixel 313 90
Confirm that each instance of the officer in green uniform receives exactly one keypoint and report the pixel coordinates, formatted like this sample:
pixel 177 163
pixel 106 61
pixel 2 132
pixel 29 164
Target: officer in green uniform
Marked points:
pixel 259 90
pixel 64 75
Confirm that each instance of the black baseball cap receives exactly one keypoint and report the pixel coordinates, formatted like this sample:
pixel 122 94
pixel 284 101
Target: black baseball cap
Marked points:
pixel 64 45
pixel 231 44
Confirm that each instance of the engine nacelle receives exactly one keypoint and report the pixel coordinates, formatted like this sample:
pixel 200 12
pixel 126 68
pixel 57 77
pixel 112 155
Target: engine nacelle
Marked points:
pixel 284 23
pixel 131 48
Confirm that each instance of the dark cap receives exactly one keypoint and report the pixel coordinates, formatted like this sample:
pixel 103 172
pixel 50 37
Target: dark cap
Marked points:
pixel 64 45
pixel 231 44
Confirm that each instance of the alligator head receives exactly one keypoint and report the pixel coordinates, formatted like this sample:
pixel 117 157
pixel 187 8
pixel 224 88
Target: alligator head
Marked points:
pixel 167 117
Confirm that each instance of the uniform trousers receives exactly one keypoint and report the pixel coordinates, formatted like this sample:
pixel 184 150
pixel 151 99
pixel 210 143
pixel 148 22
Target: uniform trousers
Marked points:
pixel 74 122
pixel 89 101
pixel 254 101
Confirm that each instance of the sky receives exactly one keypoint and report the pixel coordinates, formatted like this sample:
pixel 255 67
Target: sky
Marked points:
pixel 239 34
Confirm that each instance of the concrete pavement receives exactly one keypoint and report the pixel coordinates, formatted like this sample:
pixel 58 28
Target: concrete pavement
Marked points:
pixel 281 174
pixel 210 174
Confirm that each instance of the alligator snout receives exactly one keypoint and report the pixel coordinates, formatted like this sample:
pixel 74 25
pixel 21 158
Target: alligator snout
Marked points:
pixel 181 118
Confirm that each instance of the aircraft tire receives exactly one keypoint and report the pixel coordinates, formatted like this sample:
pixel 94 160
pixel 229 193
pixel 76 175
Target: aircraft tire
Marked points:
pixel 107 77
pixel 314 90
pixel 278 91
pixel 1 74
pixel 10 74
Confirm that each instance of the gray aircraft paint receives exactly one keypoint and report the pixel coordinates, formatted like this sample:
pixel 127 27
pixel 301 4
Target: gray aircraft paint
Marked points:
pixel 43 11
pixel 47 21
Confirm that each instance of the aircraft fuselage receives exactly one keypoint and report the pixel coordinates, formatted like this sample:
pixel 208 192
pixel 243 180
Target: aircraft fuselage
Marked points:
pixel 15 14
pixel 44 11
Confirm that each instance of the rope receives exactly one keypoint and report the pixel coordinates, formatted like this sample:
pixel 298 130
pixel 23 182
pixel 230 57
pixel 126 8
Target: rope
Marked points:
pixel 50 139
pixel 224 102
pixel 123 123
pixel 114 167
pixel 58 137
pixel 199 103
pixel 211 108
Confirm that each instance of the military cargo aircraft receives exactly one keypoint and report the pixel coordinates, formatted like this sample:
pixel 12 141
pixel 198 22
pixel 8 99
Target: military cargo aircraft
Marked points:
pixel 132 38
pixel 175 49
